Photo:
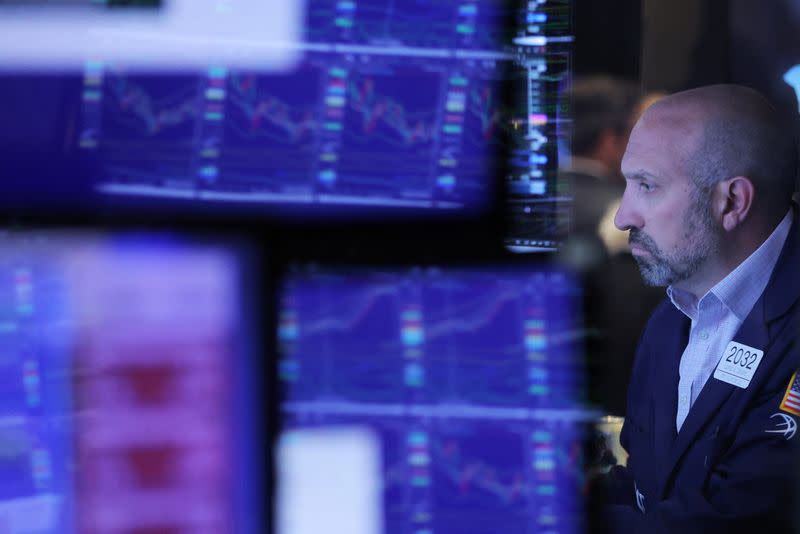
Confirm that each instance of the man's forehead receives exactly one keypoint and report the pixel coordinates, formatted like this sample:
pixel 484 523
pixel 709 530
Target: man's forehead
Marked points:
pixel 673 120
pixel 660 142
pixel 662 138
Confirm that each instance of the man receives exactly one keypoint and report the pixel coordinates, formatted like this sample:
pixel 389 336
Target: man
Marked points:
pixel 713 404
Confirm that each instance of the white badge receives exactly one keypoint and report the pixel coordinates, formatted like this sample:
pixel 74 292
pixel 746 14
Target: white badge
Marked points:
pixel 738 364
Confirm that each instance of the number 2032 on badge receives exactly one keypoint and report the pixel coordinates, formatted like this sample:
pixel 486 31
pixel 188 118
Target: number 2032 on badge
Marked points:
pixel 738 364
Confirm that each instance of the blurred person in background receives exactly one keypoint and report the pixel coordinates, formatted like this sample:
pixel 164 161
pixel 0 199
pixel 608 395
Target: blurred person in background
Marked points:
pixel 617 303
pixel 603 111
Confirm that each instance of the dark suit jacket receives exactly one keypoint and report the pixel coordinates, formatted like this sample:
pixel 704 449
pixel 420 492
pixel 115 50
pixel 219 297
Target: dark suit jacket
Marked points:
pixel 723 472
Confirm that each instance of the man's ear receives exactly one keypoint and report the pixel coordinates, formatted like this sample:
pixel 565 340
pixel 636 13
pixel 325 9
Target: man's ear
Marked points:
pixel 735 198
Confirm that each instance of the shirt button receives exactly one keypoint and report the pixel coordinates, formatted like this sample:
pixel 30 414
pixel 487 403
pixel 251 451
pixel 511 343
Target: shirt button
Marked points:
pixel 703 335
pixel 684 399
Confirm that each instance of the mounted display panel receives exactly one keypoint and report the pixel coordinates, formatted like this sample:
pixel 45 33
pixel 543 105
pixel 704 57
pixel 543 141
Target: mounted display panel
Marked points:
pixel 129 398
pixel 395 107
pixel 391 110
pixel 455 395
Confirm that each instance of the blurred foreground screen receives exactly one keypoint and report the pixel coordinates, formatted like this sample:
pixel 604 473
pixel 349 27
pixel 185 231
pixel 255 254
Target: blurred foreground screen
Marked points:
pixel 123 364
pixel 61 35
pixel 393 110
pixel 467 379
pixel 395 106
pixel 329 477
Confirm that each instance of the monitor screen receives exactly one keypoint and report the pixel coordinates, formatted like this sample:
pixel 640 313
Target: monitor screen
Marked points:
pixel 467 379
pixel 395 109
pixel 395 106
pixel 124 377
pixel 538 202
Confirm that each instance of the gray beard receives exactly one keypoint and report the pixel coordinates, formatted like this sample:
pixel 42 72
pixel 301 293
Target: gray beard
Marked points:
pixel 661 269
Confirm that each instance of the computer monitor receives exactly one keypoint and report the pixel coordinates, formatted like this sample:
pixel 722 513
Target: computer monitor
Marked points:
pixel 127 385
pixel 397 109
pixel 468 379
pixel 538 203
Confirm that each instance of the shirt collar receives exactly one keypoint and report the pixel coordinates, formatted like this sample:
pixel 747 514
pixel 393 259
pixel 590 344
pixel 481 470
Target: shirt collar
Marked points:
pixel 742 287
pixel 684 301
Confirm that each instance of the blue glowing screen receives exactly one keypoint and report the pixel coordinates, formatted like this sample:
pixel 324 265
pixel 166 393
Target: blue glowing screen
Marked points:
pixel 468 376
pixel 396 104
pixel 119 401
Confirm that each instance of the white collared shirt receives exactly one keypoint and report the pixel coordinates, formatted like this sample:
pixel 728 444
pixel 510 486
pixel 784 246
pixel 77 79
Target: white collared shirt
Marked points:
pixel 717 316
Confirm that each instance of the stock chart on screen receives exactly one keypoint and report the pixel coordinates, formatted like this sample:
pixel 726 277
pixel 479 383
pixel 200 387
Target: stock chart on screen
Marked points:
pixel 538 202
pixel 35 422
pixel 468 377
pixel 120 418
pixel 396 104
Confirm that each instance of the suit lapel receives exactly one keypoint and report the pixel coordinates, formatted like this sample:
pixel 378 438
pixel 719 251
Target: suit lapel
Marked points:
pixel 753 333
pixel 781 292
pixel 666 391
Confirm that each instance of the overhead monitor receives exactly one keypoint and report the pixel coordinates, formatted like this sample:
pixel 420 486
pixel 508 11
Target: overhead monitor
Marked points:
pixel 539 202
pixel 395 107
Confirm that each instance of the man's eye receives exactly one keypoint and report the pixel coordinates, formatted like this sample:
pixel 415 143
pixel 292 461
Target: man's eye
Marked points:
pixel 644 186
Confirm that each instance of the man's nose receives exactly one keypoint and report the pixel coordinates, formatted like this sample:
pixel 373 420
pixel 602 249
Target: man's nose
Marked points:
pixel 627 216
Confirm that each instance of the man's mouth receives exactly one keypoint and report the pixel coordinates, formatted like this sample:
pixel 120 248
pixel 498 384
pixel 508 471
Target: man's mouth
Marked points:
pixel 639 245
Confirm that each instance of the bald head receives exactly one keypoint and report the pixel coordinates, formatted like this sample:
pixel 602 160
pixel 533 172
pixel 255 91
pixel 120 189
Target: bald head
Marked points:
pixel 709 174
pixel 723 131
